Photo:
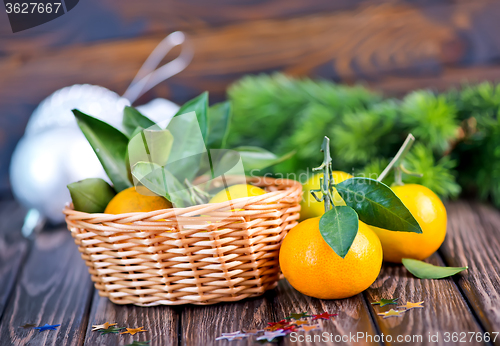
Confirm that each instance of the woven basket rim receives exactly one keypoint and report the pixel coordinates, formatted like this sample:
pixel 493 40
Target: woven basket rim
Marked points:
pixel 206 208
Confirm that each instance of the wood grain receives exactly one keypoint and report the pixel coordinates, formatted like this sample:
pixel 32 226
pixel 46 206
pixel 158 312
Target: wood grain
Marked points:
pixel 128 18
pixel 445 310
pixel 54 288
pixel 473 239
pixel 201 325
pixel 353 315
pixel 375 42
pixel 161 323
pixel 13 248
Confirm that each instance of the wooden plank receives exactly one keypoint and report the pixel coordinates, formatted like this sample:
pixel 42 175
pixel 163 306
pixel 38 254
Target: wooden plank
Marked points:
pixel 53 287
pixel 445 310
pixel 353 317
pixel 473 239
pixel 374 43
pixel 129 18
pixel 161 323
pixel 201 325
pixel 13 248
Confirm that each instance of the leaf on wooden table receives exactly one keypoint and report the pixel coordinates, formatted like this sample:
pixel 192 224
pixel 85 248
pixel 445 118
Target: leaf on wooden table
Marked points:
pixel 339 227
pixel 377 205
pixel 132 119
pixel 423 270
pixel 110 146
pixel 91 195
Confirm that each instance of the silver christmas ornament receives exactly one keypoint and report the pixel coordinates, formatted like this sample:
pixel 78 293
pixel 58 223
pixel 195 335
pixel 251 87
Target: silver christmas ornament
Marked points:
pixel 53 151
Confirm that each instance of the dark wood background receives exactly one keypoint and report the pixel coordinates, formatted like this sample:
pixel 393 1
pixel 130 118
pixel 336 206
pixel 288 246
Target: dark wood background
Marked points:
pixel 393 46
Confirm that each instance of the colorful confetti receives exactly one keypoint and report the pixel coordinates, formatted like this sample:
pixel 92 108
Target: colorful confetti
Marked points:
pixel 323 316
pixel 274 330
pixel 391 313
pixel 384 302
pixel 253 331
pixel 111 330
pixel 139 343
pixel 47 327
pixel 134 331
pixel 102 326
pixel 298 316
pixel 232 336
pixel 289 329
pixel 270 336
pixel 299 323
pixel 410 305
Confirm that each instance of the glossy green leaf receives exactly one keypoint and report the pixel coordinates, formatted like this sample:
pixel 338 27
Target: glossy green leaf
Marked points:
pixel 91 195
pixel 150 145
pixel 199 105
pixel 161 182
pixel 255 158
pixel 132 119
pixel 339 227
pixel 188 147
pixel 110 146
pixel 219 116
pixel 377 205
pixel 423 270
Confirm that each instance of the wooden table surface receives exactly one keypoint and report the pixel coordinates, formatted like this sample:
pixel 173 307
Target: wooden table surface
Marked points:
pixel 44 280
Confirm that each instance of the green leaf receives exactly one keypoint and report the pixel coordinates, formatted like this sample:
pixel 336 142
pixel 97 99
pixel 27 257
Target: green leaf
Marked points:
pixel 219 116
pixel 377 205
pixel 423 270
pixel 199 105
pixel 110 146
pixel 132 119
pixel 91 195
pixel 339 227
pixel 150 145
pixel 188 147
pixel 255 158
pixel 161 182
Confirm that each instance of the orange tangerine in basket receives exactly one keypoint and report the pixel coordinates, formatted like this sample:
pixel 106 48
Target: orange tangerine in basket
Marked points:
pixel 131 201
pixel 237 191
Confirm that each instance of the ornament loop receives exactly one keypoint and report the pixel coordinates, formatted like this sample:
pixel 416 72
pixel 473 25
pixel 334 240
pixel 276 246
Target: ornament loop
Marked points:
pixel 149 75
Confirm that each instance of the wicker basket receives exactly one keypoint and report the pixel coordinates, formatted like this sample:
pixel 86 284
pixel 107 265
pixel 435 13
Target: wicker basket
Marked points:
pixel 202 255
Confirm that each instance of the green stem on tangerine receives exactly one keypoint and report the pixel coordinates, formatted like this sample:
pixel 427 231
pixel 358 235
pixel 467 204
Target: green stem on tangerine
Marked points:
pixel 396 161
pixel 326 182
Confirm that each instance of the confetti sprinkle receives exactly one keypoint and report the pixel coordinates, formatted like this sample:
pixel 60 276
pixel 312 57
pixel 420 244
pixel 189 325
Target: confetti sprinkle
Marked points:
pixel 111 330
pixel 47 327
pixel 313 327
pixel 273 326
pixel 28 325
pixel 102 326
pixel 232 336
pixel 299 323
pixel 298 316
pixel 253 331
pixel 323 316
pixel 289 329
pixel 410 305
pixel 270 336
pixel 391 313
pixel 139 343
pixel 384 302
pixel 134 331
